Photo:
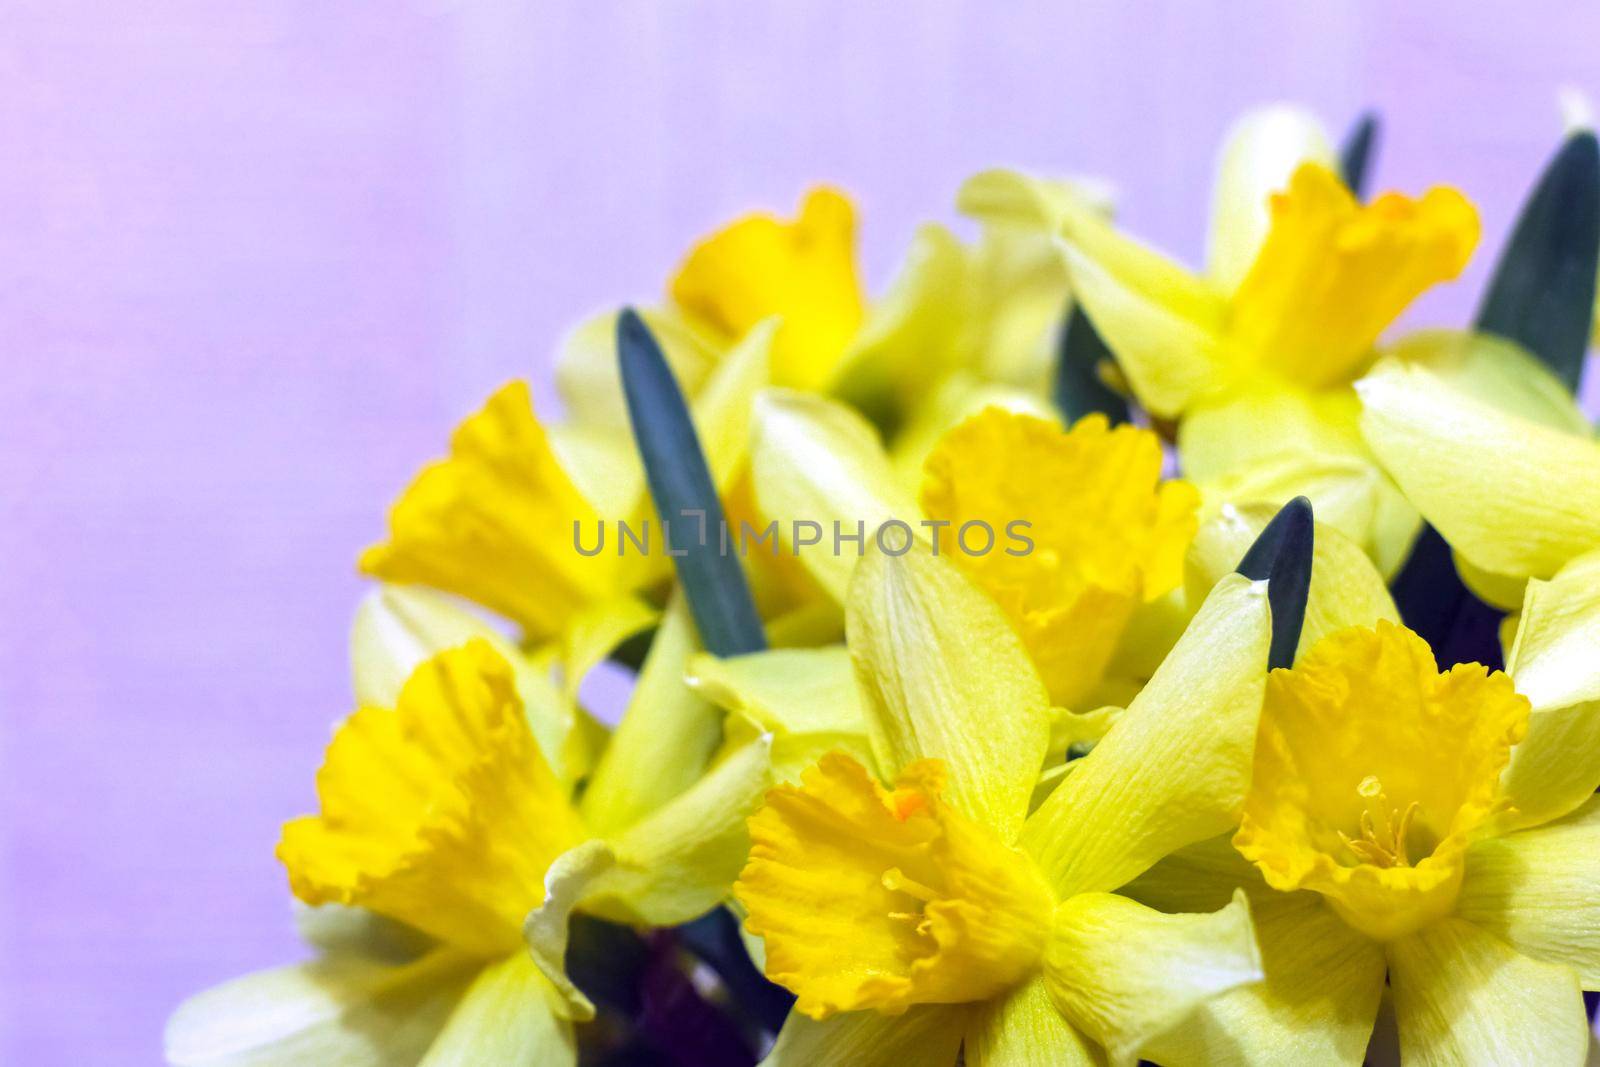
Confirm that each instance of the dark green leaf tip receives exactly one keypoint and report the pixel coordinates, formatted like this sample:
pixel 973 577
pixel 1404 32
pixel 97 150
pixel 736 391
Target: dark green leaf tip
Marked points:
pixel 1356 155
pixel 1282 556
pixel 1078 386
pixel 684 494
pixel 1542 292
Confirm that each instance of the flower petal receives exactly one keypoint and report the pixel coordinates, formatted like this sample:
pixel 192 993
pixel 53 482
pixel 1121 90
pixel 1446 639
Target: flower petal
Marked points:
pixel 1262 150
pixel 1557 766
pixel 806 698
pixel 1174 768
pixel 343 1010
pixel 1496 371
pixel 1162 322
pixel 1535 890
pixel 1022 1029
pixel 1451 454
pixel 817 461
pixel 1463 996
pixel 1124 974
pixel 1317 1005
pixel 666 736
pixel 945 677
pixel 928 1036
pixel 669 868
pixel 507 1016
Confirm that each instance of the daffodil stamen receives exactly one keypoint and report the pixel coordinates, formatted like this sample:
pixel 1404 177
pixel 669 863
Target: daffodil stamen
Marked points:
pixel 1385 846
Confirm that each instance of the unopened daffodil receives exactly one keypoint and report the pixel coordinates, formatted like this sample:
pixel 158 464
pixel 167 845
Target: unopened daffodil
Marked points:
pixel 920 912
pixel 1254 358
pixel 442 815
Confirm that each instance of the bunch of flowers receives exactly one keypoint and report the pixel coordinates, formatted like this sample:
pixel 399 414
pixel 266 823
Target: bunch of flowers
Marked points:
pixel 1065 658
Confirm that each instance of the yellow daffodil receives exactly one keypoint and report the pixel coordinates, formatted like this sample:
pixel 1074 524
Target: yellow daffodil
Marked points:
pixel 442 812
pixel 1108 535
pixel 1506 468
pixel 1255 357
pixel 1435 828
pixel 918 910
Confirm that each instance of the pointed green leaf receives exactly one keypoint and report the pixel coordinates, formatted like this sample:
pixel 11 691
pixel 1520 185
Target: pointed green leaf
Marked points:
pixel 685 498
pixel 1355 155
pixel 1079 388
pixel 1542 293
pixel 1282 556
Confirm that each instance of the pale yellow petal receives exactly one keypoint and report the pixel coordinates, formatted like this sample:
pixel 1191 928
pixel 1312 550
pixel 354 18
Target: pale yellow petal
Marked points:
pixel 1022 1028
pixel 342 1010
pixel 945 677
pixel 507 1016
pixel 816 461
pixel 1453 454
pixel 1161 321
pixel 1323 984
pixel 680 861
pixel 1263 149
pixel 1174 768
pixel 1125 974
pixel 1462 995
pixel 1557 766
pixel 596 631
pixel 927 1036
pixel 1535 890
pixel 666 736
pixel 1496 371
pixel 784 690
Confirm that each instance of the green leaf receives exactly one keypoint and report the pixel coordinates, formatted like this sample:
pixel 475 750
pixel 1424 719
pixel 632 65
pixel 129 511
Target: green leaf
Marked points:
pixel 1282 556
pixel 1542 293
pixel 1079 389
pixel 685 498
pixel 1355 155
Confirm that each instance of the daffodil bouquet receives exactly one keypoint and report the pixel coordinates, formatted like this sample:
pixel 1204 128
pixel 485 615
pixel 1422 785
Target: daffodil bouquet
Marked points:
pixel 1067 657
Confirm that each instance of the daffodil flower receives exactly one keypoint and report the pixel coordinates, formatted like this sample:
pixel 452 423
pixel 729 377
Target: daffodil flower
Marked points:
pixel 915 906
pixel 1435 829
pixel 1255 357
pixel 1108 533
pixel 442 812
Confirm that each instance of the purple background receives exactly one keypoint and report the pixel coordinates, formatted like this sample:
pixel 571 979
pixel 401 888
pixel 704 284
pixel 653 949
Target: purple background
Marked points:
pixel 256 259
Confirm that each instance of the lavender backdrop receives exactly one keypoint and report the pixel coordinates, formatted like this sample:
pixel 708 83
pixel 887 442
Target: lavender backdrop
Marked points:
pixel 257 257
